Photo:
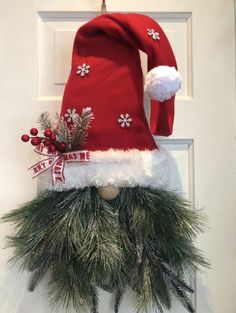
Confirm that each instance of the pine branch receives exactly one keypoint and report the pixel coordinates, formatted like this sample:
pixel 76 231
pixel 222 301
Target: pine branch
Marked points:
pixel 119 294
pixel 101 252
pixel 69 287
pixel 94 300
pixel 173 278
pixel 146 293
pixel 79 131
pixel 82 240
pixel 36 278
pixel 62 131
pixel 44 121
pixel 183 297
pixel 108 284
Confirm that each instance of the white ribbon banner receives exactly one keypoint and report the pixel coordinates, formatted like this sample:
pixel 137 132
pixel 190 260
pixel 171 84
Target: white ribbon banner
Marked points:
pixel 56 161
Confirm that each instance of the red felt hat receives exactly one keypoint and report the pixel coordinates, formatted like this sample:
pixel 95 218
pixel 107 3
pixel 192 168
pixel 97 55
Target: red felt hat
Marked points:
pixel 106 75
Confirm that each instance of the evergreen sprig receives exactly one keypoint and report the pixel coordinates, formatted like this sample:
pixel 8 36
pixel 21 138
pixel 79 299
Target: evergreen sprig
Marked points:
pixel 62 131
pixel 100 252
pixel 73 135
pixel 143 239
pixel 79 130
pixel 45 121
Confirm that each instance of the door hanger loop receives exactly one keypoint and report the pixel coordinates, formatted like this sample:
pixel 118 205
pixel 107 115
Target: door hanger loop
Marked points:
pixel 104 7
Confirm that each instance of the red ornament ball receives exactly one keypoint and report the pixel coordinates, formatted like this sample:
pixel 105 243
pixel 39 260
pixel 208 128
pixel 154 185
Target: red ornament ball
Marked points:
pixel 62 146
pixel 47 142
pixel 48 132
pixel 35 141
pixel 25 137
pixel 52 136
pixel 52 149
pixel 34 131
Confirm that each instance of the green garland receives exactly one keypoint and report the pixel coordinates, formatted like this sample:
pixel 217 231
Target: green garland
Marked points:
pixel 143 239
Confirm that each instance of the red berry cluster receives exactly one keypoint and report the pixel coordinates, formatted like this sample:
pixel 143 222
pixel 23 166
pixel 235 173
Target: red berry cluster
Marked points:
pixel 49 140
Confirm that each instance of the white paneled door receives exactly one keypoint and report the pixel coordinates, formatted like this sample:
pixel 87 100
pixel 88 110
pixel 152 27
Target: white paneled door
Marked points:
pixel 36 43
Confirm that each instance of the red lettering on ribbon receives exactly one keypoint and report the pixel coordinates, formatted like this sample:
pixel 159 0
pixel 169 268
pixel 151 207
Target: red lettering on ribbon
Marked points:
pixel 57 162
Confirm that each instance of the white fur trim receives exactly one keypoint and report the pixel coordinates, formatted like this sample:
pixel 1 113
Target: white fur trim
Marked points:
pixel 113 167
pixel 162 83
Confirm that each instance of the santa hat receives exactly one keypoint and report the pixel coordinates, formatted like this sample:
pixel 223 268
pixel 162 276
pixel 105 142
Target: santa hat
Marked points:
pixel 106 75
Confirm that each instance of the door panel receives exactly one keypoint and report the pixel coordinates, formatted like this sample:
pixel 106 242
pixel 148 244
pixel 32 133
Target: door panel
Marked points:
pixel 36 40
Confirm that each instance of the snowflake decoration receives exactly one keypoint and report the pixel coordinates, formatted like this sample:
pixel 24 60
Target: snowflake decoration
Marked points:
pixel 124 120
pixel 71 115
pixel 83 69
pixel 152 33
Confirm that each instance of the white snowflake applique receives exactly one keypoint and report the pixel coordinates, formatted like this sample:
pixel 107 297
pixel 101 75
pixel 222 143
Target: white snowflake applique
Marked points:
pixel 152 33
pixel 125 120
pixel 71 115
pixel 83 69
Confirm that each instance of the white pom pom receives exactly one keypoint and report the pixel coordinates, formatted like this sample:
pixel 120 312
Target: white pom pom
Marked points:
pixel 162 83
